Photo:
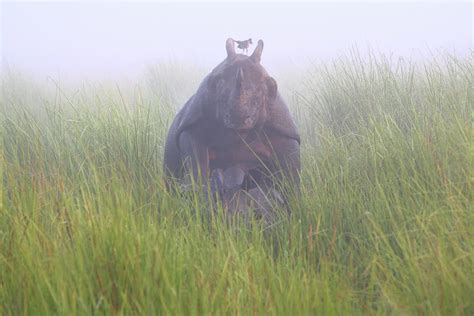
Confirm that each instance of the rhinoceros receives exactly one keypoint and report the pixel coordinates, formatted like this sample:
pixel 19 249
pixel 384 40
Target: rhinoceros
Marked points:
pixel 238 198
pixel 237 117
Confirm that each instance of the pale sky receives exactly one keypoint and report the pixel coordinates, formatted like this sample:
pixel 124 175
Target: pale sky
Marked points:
pixel 94 40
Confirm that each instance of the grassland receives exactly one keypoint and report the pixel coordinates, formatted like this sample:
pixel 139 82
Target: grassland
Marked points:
pixel 384 224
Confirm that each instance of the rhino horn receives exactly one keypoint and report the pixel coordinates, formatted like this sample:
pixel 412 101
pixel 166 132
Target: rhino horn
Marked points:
pixel 257 53
pixel 239 78
pixel 229 46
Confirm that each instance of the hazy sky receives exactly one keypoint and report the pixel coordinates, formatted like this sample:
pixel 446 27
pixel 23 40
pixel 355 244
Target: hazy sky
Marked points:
pixel 116 39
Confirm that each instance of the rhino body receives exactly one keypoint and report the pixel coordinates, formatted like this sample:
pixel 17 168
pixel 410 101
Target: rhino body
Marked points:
pixel 236 118
pixel 240 199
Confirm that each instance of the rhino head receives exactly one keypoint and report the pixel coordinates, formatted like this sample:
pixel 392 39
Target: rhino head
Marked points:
pixel 240 95
pixel 241 89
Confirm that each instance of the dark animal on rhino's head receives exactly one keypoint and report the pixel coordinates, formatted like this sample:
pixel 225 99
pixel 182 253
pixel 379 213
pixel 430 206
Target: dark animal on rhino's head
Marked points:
pixel 244 45
pixel 236 117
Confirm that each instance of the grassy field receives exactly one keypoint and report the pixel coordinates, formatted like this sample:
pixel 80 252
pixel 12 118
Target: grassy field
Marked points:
pixel 384 225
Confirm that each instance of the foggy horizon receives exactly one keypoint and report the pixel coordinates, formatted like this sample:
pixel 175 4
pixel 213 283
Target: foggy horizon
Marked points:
pixel 116 40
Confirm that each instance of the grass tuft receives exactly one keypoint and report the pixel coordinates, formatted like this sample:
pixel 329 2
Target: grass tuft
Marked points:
pixel 383 224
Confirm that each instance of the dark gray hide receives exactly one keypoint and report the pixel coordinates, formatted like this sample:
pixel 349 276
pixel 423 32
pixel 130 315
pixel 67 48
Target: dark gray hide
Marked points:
pixel 258 201
pixel 236 117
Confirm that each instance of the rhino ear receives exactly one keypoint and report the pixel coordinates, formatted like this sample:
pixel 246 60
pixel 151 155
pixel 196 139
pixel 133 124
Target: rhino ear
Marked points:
pixel 272 87
pixel 230 48
pixel 257 53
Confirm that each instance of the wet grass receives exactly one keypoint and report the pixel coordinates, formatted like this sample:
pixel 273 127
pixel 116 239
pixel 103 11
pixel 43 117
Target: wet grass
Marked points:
pixel 384 224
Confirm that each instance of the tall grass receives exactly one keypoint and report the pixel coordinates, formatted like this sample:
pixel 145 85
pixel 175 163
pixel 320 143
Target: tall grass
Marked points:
pixel 384 224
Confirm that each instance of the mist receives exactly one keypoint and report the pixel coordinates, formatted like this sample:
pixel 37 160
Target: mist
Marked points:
pixel 339 183
pixel 120 40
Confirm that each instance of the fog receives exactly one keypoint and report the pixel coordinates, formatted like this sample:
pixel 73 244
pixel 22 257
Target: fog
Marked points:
pixel 112 40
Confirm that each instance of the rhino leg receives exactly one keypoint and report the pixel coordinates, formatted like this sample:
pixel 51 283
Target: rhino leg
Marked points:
pixel 234 177
pixel 288 165
pixel 217 182
pixel 196 159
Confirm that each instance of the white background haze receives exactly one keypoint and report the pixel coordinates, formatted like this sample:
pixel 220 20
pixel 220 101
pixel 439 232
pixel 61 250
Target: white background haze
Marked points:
pixel 108 40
